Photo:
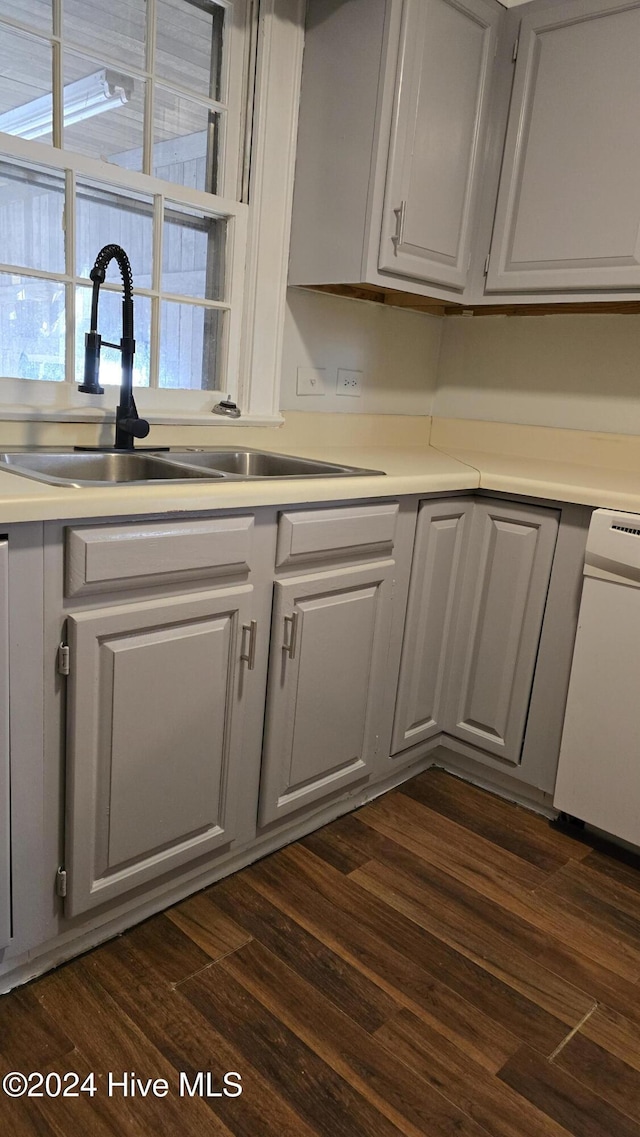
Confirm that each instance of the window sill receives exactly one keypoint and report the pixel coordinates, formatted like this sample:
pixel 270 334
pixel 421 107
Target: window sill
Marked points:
pixel 155 418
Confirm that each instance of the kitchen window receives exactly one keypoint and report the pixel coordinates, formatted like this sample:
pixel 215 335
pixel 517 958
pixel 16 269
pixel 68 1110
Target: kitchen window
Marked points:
pixel 128 122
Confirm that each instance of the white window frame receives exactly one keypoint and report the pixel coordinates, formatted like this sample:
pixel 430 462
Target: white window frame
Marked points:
pixel 257 249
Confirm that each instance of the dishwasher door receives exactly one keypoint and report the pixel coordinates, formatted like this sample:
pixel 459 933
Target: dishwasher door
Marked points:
pixel 599 769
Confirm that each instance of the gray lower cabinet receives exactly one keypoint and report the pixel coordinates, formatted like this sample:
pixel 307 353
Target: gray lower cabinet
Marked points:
pixel 498 624
pixel 477 596
pixel 5 812
pixel 154 723
pixel 442 530
pixel 329 644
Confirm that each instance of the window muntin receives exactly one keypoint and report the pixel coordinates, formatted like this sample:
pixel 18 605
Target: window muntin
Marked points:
pixel 186 245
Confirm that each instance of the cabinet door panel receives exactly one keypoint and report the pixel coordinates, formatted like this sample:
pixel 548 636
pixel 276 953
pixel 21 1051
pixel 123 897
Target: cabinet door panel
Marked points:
pixel 441 534
pixel 498 626
pixel 5 812
pixel 568 213
pixel 154 721
pixel 323 714
pixel 442 84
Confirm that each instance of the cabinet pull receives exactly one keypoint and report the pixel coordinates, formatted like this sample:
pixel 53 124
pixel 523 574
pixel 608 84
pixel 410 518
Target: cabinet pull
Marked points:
pixel 290 645
pixel 249 657
pixel 398 238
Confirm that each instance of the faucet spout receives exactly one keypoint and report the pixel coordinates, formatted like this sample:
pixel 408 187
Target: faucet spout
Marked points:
pixel 129 425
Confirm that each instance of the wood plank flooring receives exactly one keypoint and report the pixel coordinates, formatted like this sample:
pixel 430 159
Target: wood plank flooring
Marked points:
pixel 439 963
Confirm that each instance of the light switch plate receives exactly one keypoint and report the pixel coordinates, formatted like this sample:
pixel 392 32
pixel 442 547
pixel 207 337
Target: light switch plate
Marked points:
pixel 310 381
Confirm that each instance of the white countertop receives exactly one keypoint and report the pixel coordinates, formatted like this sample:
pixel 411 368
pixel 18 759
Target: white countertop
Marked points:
pixel 407 472
pixel 417 456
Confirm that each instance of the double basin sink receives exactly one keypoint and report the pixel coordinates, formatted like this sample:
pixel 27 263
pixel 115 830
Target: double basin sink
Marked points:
pixel 104 468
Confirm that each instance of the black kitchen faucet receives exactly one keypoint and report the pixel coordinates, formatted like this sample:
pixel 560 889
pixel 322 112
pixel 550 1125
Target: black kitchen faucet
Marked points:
pixel 129 425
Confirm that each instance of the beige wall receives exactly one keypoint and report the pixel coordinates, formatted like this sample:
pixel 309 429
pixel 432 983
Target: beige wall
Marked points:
pixel 581 372
pixel 396 351
pixel 576 371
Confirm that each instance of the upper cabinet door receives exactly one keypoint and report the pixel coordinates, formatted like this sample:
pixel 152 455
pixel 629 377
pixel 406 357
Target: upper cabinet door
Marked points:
pixel 568 211
pixel 442 85
pixel 5 814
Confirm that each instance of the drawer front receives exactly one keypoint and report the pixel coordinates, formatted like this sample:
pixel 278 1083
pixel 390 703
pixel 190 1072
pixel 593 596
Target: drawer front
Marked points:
pixel 326 534
pixel 112 557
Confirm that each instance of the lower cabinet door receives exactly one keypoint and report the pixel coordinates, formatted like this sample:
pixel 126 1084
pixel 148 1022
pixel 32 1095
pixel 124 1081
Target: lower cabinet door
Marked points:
pixel 329 644
pixel 498 625
pixel 5 810
pixel 154 739
pixel 441 536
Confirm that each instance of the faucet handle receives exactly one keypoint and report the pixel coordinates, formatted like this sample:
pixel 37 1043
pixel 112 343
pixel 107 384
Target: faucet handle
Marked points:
pixel 138 427
pixel 91 385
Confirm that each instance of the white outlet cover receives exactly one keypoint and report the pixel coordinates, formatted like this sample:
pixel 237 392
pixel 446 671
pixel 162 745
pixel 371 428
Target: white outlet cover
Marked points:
pixel 310 381
pixel 349 383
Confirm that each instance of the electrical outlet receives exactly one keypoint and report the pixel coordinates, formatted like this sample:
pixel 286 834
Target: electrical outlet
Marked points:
pixel 310 381
pixel 349 382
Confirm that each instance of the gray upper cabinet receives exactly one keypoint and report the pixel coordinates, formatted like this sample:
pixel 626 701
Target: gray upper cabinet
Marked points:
pixel 442 531
pixel 393 117
pixel 441 87
pixel 568 212
pixel 155 714
pixel 5 813
pixel 498 626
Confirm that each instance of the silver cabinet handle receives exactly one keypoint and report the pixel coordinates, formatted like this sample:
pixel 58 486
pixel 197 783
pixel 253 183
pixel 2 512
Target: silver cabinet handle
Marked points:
pixel 290 645
pixel 250 656
pixel 398 238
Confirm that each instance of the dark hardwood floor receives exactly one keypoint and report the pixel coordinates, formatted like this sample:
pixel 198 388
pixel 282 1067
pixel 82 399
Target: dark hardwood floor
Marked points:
pixel 440 963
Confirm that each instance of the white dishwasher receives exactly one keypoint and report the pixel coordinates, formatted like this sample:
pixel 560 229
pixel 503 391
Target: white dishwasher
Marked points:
pixel 599 769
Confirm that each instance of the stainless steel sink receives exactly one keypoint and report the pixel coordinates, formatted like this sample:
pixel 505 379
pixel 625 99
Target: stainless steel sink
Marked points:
pixel 247 463
pixel 70 469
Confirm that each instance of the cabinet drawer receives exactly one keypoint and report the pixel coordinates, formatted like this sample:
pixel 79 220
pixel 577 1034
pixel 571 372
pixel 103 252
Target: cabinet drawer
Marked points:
pixel 317 534
pixel 107 558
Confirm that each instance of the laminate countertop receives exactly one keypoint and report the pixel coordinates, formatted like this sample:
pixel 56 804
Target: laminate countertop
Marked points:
pixel 417 457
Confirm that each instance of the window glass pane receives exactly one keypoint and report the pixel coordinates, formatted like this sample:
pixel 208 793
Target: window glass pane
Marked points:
pixel 185 140
pixel 105 217
pixel 32 328
pixel 36 13
pixel 193 254
pixel 189 45
pixel 25 86
pixel 31 218
pixel 110 328
pixel 189 346
pixel 103 112
pixel 115 28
